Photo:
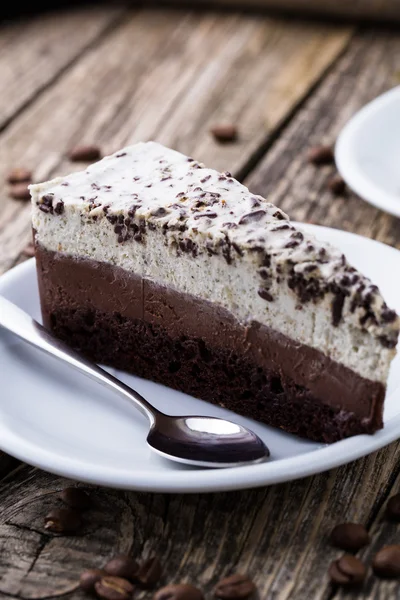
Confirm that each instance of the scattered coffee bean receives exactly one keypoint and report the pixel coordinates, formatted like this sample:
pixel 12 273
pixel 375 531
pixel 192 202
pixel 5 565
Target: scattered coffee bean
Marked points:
pixel 321 155
pixel 19 175
pixel 224 133
pixel 114 588
pixel 89 578
pixel 75 498
pixel 19 191
pixel 29 250
pixel 386 562
pixel 337 184
pixel 235 587
pixel 350 536
pixel 122 566
pixel 62 520
pixel 348 570
pixel 84 153
pixel 149 573
pixel 393 508
pixel 180 591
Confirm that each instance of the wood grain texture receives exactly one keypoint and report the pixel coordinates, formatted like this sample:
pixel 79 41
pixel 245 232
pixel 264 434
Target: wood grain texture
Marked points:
pixel 35 50
pixel 121 91
pixel 152 79
pixel 279 535
pixel 369 67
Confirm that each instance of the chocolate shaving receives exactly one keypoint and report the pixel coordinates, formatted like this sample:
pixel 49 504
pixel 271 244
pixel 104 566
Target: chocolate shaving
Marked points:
pixel 257 215
pixel 59 207
pixel 387 342
pixel 388 315
pixel 292 244
pixel 159 212
pixel 264 273
pixel 211 215
pixel 337 308
pixel 265 295
pixel 230 225
pixel 237 248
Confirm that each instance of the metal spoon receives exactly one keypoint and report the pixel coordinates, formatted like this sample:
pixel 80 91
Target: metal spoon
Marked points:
pixel 193 440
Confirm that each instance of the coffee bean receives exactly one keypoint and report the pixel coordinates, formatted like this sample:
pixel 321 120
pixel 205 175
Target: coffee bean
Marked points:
pixel 84 153
pixel 19 175
pixel 393 508
pixel 29 250
pixel 149 573
pixel 386 562
pixel 337 184
pixel 180 591
pixel 349 536
pixel 114 588
pixel 235 587
pixel 320 155
pixel 19 191
pixel 348 570
pixel 122 566
pixel 76 498
pixel 89 578
pixel 62 520
pixel 224 133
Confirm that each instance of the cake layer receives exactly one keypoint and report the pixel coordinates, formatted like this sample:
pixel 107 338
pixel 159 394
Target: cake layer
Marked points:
pixel 166 218
pixel 135 324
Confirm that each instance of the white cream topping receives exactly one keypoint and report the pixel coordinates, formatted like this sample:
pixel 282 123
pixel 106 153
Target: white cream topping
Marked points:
pixel 153 211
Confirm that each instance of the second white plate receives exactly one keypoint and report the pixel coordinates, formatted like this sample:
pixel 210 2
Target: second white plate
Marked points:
pixel 367 152
pixel 56 419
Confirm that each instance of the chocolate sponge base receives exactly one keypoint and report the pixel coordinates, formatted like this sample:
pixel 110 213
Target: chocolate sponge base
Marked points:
pixel 143 328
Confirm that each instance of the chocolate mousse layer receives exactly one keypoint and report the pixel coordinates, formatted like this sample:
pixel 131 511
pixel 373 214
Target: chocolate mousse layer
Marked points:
pixel 139 326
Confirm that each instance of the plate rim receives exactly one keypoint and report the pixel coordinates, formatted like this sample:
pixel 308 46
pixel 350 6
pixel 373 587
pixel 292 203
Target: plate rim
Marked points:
pixel 204 480
pixel 348 167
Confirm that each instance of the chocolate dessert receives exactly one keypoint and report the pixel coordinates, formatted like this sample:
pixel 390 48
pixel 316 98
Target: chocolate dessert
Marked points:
pixel 151 263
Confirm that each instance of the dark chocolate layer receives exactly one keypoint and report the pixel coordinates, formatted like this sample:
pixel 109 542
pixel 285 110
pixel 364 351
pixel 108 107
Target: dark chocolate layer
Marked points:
pixel 142 327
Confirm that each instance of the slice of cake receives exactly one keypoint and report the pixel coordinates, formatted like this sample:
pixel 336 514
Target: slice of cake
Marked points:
pixel 152 263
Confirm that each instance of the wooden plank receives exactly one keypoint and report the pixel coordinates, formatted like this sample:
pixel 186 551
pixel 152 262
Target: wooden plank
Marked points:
pixel 34 51
pixel 279 535
pixel 152 79
pixel 370 67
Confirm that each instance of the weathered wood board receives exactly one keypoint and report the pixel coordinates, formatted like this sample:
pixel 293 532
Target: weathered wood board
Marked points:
pixel 145 75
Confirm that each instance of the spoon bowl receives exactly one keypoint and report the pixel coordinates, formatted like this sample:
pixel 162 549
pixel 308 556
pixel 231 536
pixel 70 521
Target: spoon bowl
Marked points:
pixel 205 441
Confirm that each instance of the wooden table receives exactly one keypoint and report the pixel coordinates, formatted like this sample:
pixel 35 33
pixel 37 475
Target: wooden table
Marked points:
pixel 114 76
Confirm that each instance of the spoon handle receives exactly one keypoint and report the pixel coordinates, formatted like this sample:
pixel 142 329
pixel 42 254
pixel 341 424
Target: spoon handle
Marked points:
pixel 15 320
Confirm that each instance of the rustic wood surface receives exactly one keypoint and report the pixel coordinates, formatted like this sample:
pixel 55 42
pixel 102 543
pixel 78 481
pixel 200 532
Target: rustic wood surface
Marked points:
pixel 125 76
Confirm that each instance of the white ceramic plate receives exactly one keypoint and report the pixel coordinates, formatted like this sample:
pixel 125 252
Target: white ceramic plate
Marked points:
pixel 58 420
pixel 367 152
